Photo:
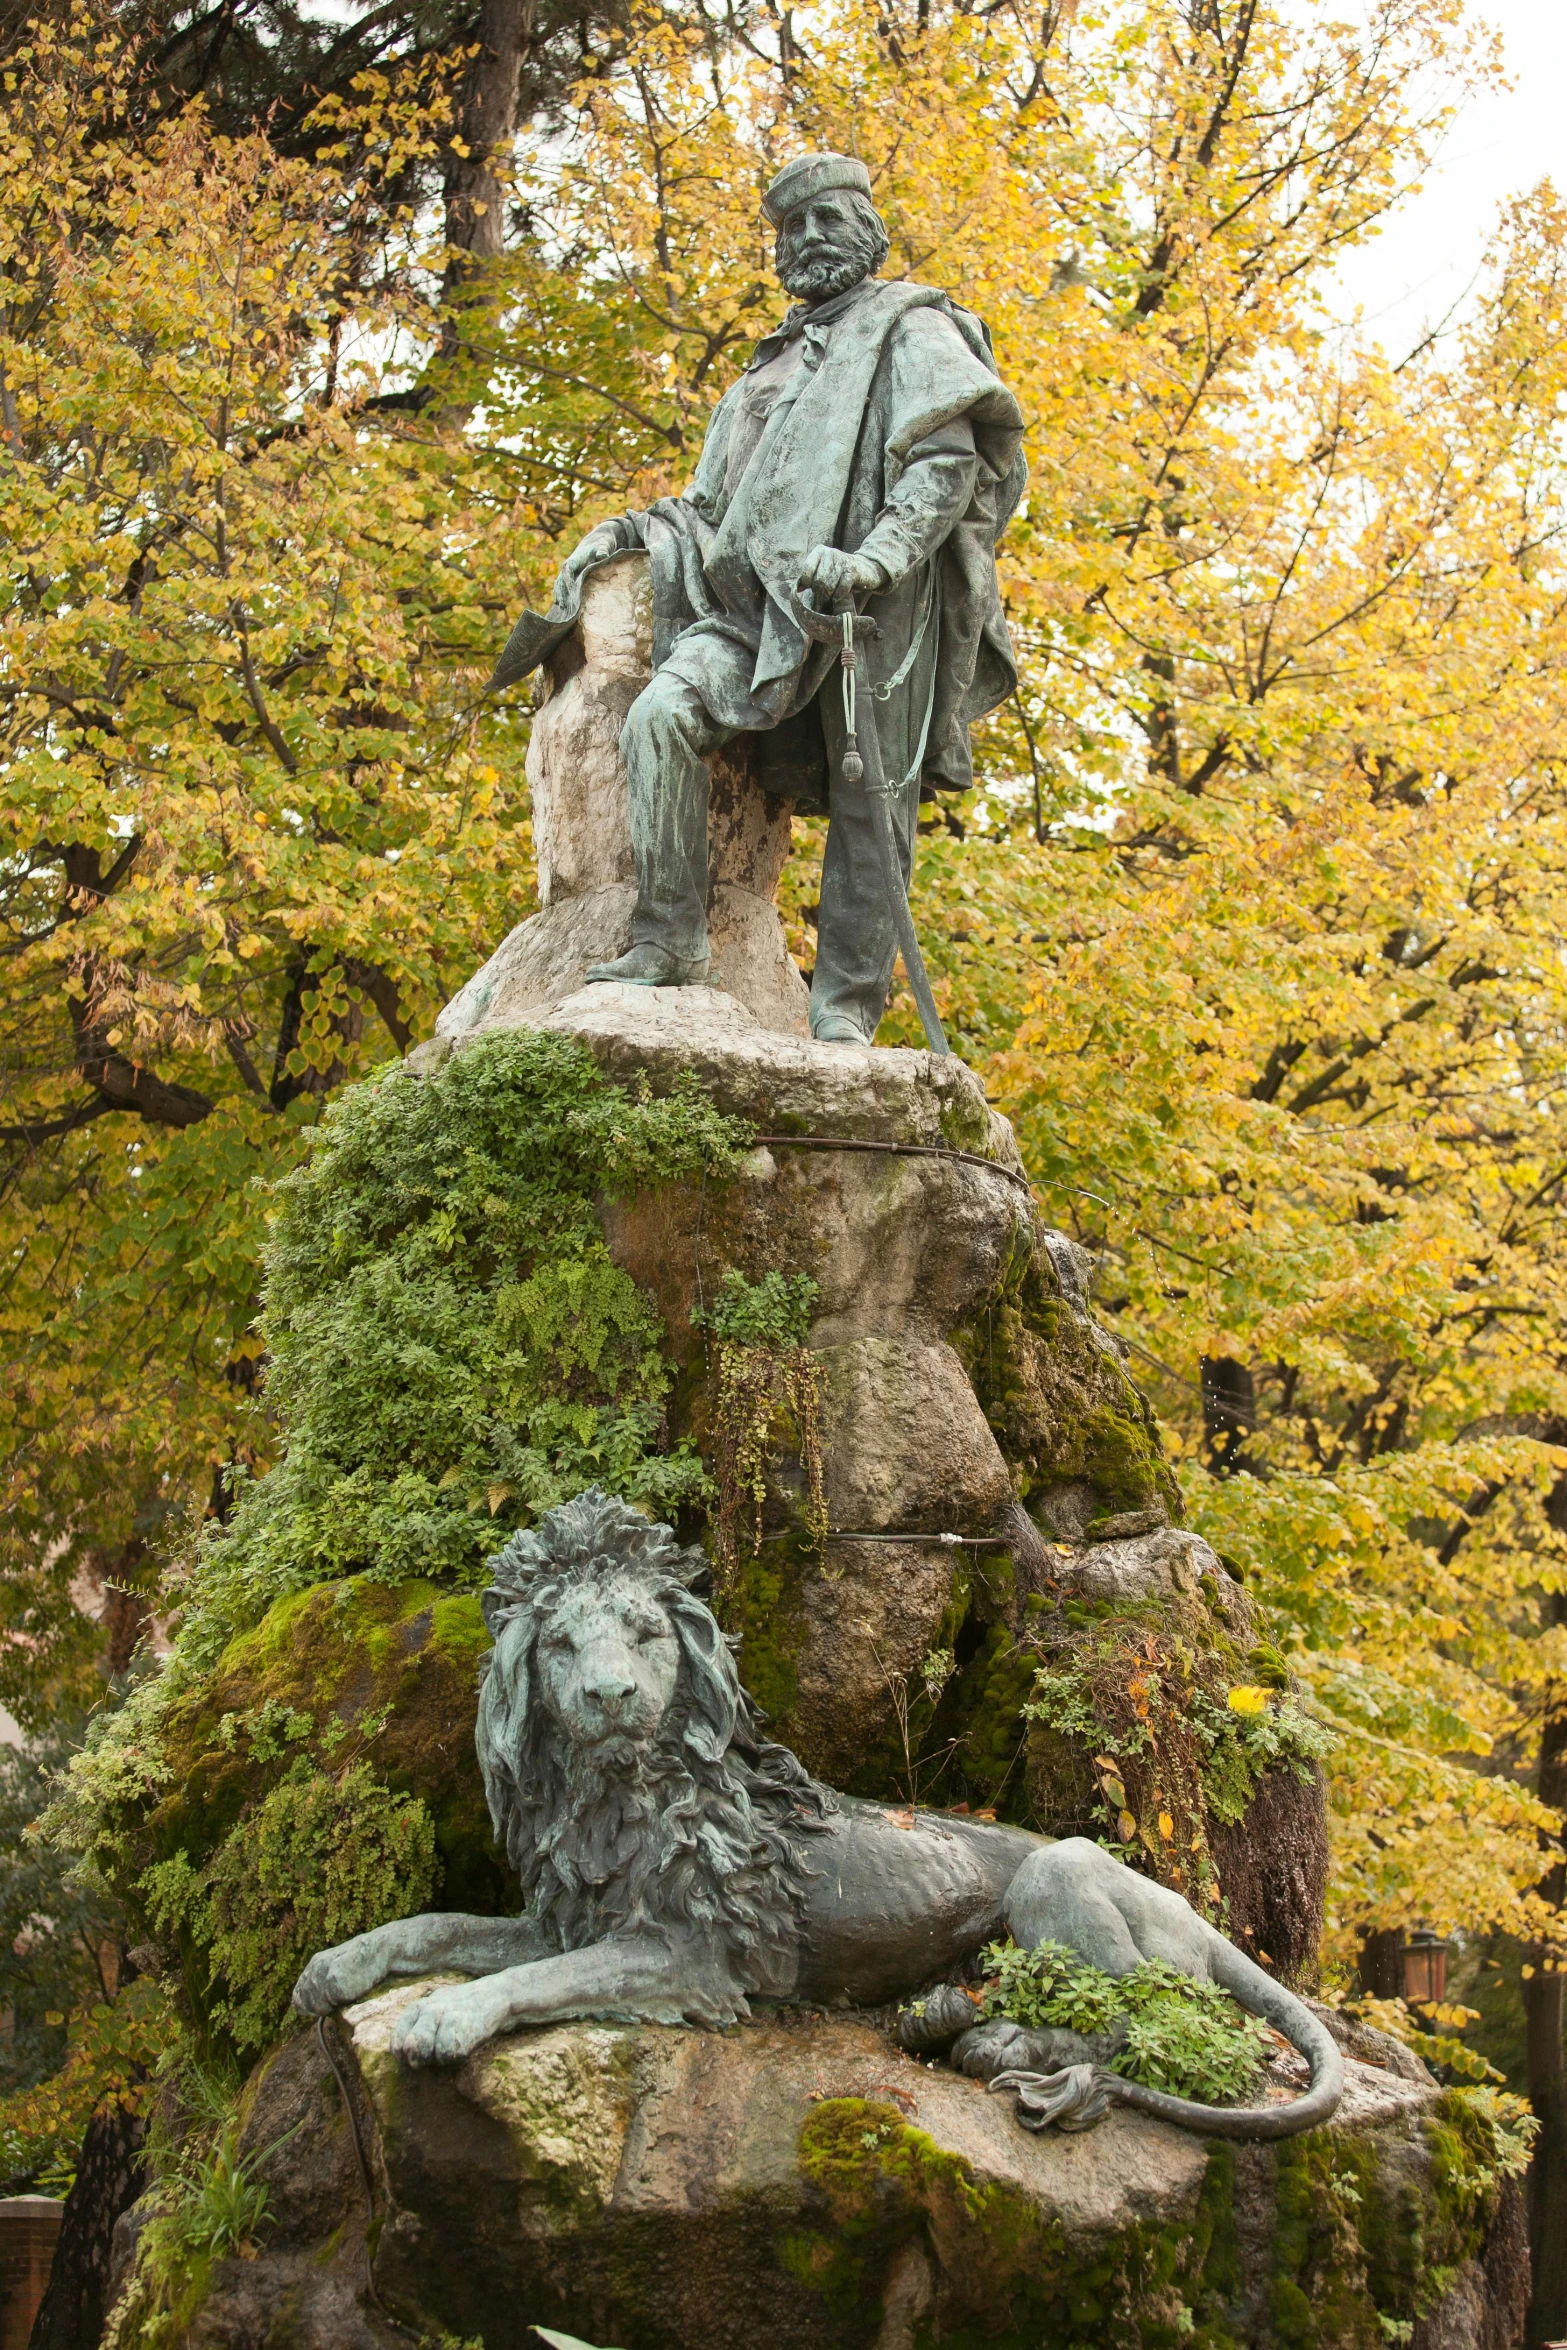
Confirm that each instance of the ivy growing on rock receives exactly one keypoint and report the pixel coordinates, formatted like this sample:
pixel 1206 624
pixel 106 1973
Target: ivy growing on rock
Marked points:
pixel 451 1348
pixel 765 1372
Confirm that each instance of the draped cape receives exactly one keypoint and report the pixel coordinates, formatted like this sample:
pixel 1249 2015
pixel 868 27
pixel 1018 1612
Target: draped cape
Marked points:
pixel 894 367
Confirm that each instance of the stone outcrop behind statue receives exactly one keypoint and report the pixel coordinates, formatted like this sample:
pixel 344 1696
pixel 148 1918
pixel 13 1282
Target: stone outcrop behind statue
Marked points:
pixel 964 1371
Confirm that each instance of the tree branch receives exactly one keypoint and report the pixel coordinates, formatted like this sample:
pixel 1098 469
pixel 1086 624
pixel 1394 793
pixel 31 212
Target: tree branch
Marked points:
pixel 372 981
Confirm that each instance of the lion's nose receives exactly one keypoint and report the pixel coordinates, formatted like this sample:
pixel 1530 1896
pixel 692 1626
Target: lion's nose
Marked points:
pixel 610 1686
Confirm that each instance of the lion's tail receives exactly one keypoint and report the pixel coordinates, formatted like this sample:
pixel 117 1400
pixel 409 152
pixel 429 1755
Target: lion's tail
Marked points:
pixel 1261 1996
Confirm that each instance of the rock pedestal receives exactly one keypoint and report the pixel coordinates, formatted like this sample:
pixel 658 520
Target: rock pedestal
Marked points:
pixel 582 837
pixel 964 1373
pixel 800 2184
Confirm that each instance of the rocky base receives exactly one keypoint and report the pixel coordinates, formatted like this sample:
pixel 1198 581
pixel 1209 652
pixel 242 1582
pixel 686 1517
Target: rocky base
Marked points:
pixel 799 2182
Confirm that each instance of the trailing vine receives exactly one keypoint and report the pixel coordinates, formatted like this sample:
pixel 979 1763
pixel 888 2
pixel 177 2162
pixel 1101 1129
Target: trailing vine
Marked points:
pixel 764 1372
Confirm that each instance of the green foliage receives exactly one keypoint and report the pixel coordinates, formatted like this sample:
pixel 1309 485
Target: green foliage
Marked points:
pixel 765 1375
pixel 113 2050
pixel 1188 2037
pixel 773 1312
pixel 1049 1984
pixel 1180 2035
pixel 219 2205
pixel 206 2201
pixel 1173 1740
pixel 452 1349
pixel 1238 1747
pixel 316 1861
pixel 56 1927
pixel 1498 2131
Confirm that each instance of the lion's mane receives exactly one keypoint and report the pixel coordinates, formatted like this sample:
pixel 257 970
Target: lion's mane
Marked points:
pixel 702 1833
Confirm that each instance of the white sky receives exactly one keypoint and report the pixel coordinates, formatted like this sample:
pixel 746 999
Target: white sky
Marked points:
pixel 1500 145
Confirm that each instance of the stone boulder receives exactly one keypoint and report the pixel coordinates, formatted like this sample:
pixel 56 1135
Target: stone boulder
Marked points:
pixel 800 2183
pixel 386 1671
pixel 969 1393
pixel 582 835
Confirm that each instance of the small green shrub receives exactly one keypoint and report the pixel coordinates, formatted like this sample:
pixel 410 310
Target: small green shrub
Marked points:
pixel 317 1860
pixel 206 2202
pixel 1049 1985
pixel 222 2203
pixel 1175 1737
pixel 1180 2035
pixel 774 1312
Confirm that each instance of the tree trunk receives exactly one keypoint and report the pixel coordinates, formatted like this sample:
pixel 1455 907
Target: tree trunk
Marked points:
pixel 1381 1964
pixel 1229 1411
pixel 1544 2057
pixel 486 118
pixel 108 2181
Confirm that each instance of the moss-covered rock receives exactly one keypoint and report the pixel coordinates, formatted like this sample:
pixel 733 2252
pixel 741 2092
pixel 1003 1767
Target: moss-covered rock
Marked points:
pixel 1077 1435
pixel 387 1673
pixel 804 2184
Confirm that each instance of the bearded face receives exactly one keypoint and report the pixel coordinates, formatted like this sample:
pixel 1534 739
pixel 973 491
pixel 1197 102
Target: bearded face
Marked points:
pixel 828 245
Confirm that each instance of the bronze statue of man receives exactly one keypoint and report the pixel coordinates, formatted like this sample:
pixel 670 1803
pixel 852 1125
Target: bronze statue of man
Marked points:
pixel 869 457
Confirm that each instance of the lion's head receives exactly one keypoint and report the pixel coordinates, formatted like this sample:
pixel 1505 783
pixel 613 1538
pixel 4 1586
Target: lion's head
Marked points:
pixel 621 1757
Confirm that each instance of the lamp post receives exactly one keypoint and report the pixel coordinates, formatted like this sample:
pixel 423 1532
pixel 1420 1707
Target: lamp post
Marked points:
pixel 1425 1968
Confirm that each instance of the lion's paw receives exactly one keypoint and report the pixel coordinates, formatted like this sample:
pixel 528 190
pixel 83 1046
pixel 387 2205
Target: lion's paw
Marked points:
pixel 324 1985
pixel 449 2025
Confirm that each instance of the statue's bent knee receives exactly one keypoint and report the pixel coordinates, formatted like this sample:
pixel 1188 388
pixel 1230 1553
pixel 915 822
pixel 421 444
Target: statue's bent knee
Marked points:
pixel 668 714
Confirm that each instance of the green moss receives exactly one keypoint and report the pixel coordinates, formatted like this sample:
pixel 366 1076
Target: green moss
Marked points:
pixel 768 1609
pixel 1476 2141
pixel 1365 2235
pixel 387 1671
pixel 1370 2232
pixel 987 1717
pixel 451 1349
pixel 965 1122
pixel 1061 1407
pixel 883 2182
pixel 1010 2280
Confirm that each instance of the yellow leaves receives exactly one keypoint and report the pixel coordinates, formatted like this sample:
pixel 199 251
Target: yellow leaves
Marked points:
pixel 1127 1827
pixel 1167 1827
pixel 1452 2017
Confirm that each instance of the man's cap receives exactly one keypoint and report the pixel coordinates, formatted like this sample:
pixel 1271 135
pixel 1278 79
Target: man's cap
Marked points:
pixel 809 176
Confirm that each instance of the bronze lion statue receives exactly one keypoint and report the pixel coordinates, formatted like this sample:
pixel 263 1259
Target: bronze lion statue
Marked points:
pixel 676 1865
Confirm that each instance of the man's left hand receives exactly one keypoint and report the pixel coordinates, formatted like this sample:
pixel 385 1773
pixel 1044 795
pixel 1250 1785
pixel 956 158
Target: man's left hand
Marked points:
pixel 836 577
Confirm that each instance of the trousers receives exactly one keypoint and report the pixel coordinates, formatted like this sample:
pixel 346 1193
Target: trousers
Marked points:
pixel 667 739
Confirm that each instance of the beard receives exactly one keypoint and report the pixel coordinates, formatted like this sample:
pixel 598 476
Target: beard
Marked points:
pixel 827 273
pixel 819 281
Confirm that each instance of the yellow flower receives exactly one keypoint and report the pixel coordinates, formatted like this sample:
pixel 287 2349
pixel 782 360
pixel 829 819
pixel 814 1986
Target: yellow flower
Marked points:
pixel 1248 1699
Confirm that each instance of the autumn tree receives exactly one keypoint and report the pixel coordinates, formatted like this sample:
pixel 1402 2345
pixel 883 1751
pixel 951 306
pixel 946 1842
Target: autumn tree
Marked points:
pixel 258 820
